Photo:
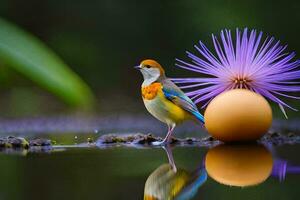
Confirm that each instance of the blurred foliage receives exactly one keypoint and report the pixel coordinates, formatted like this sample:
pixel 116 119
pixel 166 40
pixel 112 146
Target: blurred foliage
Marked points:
pixel 30 57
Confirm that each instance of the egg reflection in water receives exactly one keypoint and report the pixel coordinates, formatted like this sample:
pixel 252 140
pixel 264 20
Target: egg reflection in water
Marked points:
pixel 239 165
pixel 168 182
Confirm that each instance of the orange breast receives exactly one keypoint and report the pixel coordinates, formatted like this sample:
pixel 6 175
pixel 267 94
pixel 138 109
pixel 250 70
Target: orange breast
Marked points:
pixel 150 92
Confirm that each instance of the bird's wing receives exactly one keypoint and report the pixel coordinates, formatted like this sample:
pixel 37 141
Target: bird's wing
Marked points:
pixel 190 190
pixel 177 96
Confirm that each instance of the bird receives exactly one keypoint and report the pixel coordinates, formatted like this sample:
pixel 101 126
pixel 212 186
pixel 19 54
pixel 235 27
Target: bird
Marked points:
pixel 165 100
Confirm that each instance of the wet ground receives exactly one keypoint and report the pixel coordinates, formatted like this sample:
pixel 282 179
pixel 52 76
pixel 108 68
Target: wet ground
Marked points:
pixel 109 167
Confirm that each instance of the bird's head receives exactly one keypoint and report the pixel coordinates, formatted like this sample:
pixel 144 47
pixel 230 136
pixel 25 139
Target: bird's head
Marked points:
pixel 151 70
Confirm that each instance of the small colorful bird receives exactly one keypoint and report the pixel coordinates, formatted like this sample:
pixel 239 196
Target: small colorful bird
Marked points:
pixel 164 100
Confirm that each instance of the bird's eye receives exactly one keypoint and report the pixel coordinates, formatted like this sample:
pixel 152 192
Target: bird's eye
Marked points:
pixel 147 66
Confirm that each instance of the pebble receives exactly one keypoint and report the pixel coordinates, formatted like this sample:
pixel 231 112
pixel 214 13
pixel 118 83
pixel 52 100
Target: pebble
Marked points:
pixel 15 142
pixel 40 142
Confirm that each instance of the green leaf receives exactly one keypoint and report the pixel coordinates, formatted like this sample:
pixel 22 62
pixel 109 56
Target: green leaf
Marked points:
pixel 29 56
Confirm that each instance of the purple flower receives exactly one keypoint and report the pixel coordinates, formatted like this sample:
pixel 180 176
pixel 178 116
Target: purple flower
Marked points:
pixel 263 67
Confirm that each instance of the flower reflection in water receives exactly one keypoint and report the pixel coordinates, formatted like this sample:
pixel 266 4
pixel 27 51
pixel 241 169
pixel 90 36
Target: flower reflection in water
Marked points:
pixel 281 168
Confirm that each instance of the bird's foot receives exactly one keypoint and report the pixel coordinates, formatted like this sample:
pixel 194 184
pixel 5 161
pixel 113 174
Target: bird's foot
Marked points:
pixel 158 143
pixel 161 143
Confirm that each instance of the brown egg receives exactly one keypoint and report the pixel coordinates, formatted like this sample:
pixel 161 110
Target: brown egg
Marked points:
pixel 238 115
pixel 239 165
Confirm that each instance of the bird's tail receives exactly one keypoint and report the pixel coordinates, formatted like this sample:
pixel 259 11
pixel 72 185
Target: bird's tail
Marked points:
pixel 199 117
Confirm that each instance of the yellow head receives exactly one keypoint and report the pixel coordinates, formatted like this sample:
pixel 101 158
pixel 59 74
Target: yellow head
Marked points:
pixel 151 71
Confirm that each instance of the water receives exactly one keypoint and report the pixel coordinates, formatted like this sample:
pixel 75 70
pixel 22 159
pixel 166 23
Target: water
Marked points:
pixel 222 172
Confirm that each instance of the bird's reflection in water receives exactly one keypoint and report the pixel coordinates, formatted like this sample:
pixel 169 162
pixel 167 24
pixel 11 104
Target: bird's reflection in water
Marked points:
pixel 169 182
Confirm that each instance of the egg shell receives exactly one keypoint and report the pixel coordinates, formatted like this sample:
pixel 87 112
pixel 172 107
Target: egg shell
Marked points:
pixel 238 115
pixel 239 165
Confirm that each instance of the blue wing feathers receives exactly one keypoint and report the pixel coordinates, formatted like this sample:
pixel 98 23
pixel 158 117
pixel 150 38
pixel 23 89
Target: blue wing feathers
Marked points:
pixel 191 190
pixel 169 94
pixel 180 99
pixel 199 116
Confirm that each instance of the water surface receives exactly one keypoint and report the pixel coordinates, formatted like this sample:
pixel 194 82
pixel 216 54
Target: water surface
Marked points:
pixel 222 172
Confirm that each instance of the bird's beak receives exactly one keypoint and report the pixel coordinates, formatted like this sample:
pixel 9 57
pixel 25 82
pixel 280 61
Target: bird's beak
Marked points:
pixel 138 67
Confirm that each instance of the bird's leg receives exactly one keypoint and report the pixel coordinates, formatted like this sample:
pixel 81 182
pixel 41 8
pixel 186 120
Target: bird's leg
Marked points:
pixel 167 139
pixel 157 143
pixel 168 150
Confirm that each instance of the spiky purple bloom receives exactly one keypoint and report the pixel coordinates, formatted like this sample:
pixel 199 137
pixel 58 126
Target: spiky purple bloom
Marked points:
pixel 249 63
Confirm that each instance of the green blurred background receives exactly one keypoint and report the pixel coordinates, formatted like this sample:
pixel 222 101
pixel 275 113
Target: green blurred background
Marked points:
pixel 102 40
